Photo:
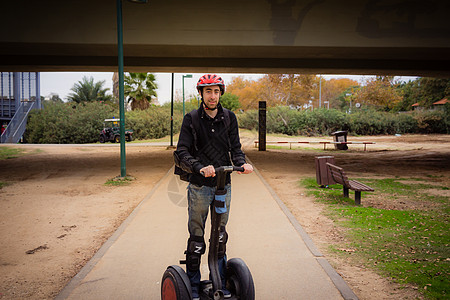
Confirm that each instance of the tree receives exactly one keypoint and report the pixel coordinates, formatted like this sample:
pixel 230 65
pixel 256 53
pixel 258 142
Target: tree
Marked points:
pixel 347 99
pixel 247 92
pixel 410 91
pixel 380 92
pixel 334 91
pixel 431 90
pixel 88 91
pixel 230 101
pixel 424 91
pixel 140 88
pixel 55 99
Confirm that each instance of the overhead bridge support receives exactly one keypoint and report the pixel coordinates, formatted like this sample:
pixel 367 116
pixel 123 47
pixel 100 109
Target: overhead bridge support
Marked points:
pixel 254 36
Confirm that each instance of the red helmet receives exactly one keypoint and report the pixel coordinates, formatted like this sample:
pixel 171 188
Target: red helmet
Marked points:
pixel 211 79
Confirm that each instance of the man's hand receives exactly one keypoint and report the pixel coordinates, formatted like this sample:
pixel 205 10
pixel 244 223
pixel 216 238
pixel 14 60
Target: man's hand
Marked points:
pixel 248 168
pixel 208 171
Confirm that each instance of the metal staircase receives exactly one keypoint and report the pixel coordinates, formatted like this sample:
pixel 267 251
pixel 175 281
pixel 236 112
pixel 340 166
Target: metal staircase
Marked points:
pixel 19 94
pixel 18 124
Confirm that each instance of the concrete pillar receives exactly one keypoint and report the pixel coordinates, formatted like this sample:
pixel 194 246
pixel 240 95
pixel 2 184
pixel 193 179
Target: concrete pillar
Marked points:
pixel 262 126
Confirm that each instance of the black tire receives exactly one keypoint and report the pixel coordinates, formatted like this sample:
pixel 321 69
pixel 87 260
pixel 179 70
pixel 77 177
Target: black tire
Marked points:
pixel 116 139
pixel 102 138
pixel 129 138
pixel 175 284
pixel 240 280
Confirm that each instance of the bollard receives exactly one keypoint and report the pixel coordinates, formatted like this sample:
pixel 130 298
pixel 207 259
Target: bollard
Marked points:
pixel 262 126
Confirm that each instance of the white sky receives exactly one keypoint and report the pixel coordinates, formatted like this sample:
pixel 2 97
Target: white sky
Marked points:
pixel 61 82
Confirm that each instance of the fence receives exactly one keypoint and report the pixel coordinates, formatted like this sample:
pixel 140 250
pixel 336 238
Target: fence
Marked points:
pixel 318 142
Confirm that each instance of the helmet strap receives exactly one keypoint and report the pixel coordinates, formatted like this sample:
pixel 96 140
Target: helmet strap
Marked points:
pixel 207 107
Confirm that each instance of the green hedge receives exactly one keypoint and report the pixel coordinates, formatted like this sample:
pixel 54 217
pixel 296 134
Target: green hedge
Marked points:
pixel 70 123
pixel 152 123
pixel 323 122
pixel 67 123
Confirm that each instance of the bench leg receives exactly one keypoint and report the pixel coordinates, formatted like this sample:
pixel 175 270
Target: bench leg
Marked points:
pixel 357 198
pixel 345 192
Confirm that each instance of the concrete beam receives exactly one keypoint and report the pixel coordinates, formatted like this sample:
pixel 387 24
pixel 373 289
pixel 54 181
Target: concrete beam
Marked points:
pixel 256 36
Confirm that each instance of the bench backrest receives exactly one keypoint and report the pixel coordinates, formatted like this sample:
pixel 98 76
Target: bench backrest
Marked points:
pixel 338 174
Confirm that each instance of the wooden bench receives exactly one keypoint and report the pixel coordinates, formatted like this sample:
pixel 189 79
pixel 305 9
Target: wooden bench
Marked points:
pixel 340 177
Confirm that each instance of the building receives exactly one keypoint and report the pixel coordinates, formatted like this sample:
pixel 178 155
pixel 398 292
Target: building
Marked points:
pixel 19 94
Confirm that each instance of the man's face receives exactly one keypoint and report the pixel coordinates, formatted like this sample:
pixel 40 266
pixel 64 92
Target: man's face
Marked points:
pixel 211 95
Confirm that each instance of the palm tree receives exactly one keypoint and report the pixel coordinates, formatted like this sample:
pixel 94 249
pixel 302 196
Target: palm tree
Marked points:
pixel 88 91
pixel 140 88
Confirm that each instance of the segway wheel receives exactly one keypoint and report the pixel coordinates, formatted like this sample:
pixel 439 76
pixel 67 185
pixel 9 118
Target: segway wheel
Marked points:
pixel 240 280
pixel 175 284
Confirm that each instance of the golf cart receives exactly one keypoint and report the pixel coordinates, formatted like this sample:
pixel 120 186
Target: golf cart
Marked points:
pixel 111 132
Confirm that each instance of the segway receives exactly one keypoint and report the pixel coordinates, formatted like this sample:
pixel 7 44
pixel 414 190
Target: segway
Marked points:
pixel 175 284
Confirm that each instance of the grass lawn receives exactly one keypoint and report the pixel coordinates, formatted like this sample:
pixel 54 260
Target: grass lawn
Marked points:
pixel 408 245
pixel 8 152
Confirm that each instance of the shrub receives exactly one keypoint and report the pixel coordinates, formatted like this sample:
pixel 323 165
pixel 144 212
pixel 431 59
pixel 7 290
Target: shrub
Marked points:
pixel 152 123
pixel 369 123
pixel 362 122
pixel 324 121
pixel 405 123
pixel 432 121
pixel 248 120
pixel 67 123
pixel 281 119
pixel 230 101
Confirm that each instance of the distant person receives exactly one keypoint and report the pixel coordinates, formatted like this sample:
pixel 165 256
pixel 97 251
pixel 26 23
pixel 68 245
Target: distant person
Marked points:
pixel 214 143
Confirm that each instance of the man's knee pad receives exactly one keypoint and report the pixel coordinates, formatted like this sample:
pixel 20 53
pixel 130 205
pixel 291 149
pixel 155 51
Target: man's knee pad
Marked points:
pixel 223 238
pixel 196 247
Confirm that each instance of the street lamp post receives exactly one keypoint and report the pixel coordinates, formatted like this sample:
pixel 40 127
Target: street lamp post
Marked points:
pixel 320 91
pixel 185 76
pixel 349 95
pixel 123 168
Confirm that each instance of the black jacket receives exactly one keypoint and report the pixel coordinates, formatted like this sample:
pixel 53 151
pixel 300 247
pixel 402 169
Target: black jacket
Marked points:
pixel 213 145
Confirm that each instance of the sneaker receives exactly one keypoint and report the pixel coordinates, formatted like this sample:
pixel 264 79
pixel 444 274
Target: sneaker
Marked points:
pixel 226 293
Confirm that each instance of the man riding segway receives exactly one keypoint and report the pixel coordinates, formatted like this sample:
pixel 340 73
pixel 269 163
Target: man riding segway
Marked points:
pixel 209 138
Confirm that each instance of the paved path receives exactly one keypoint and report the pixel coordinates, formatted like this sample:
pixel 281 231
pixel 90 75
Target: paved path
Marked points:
pixel 263 233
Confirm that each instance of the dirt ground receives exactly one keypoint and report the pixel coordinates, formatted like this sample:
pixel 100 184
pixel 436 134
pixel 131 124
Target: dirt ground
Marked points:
pixel 56 212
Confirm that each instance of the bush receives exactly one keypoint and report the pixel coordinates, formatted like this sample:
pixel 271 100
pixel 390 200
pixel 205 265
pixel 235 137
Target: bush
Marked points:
pixel 230 101
pixel 405 123
pixel 363 122
pixel 281 119
pixel 432 121
pixel 370 123
pixel 152 123
pixel 67 123
pixel 248 120
pixel 288 121
pixel 324 121
pixel 71 123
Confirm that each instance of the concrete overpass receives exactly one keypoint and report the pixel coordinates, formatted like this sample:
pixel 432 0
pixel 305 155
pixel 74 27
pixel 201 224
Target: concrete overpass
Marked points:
pixel 397 37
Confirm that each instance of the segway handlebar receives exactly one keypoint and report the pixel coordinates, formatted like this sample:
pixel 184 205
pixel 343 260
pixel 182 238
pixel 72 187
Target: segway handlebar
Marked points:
pixel 227 169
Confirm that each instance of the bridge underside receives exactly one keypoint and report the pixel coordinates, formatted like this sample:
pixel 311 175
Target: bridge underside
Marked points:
pixel 397 37
pixel 237 59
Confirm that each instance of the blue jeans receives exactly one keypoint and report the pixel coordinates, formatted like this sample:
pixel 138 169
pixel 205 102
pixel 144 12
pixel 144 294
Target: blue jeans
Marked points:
pixel 199 203
pixel 200 199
